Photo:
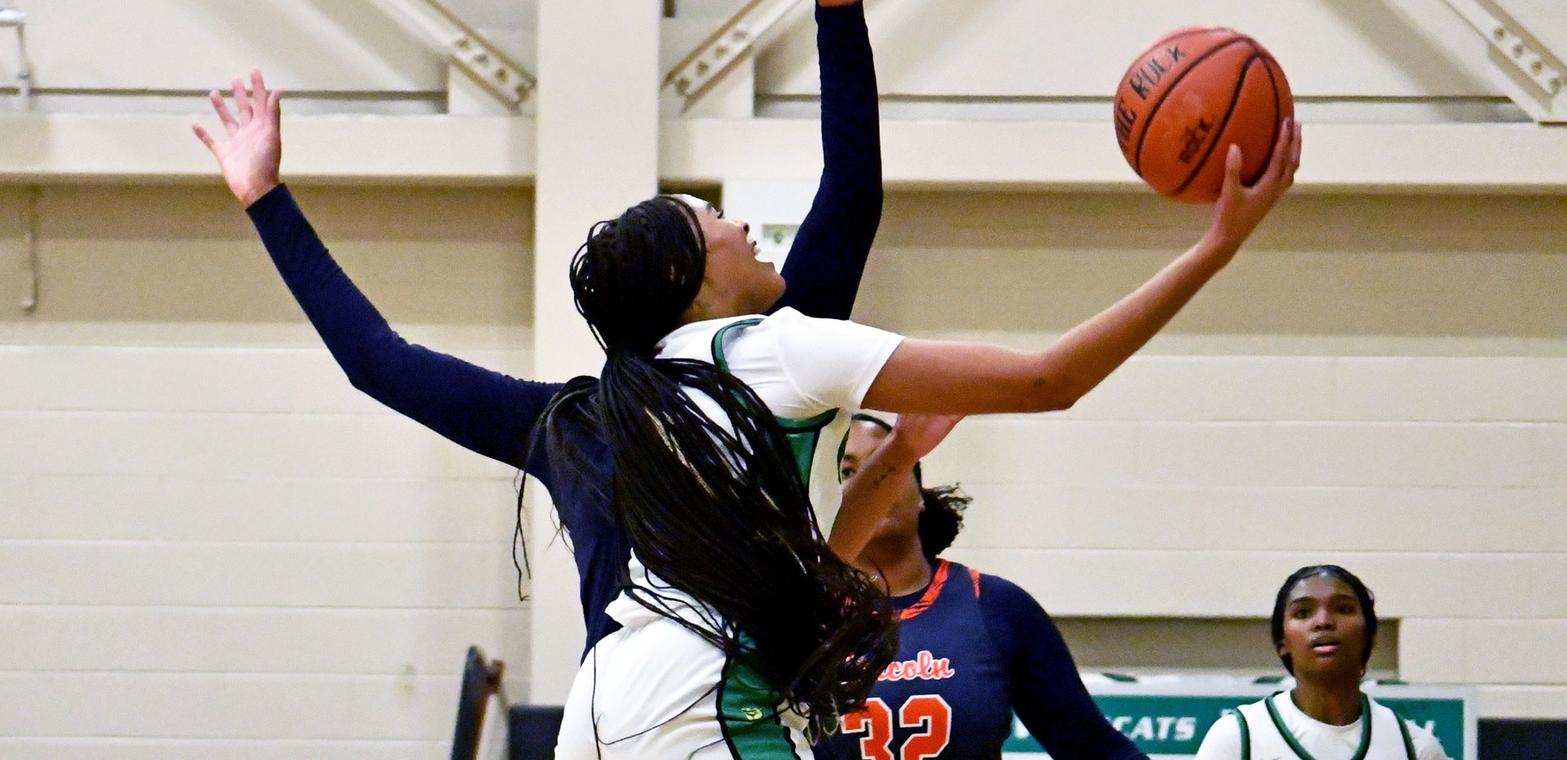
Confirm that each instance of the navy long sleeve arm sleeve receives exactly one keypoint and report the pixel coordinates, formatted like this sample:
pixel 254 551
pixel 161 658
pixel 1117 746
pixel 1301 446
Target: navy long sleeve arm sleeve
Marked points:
pixel 834 241
pixel 485 411
pixel 492 413
pixel 1047 692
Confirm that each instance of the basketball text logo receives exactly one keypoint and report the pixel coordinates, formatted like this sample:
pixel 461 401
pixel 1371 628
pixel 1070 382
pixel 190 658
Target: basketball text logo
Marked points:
pixel 1195 137
pixel 924 667
pixel 1153 70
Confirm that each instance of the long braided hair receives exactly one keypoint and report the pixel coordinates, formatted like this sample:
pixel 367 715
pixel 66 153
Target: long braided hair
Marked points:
pixel 712 505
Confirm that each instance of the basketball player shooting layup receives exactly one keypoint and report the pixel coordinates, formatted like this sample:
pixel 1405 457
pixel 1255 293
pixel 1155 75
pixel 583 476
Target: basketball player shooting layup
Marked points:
pixel 688 471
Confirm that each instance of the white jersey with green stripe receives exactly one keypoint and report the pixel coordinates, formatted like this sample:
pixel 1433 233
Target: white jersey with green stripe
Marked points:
pixel 1275 729
pixel 811 373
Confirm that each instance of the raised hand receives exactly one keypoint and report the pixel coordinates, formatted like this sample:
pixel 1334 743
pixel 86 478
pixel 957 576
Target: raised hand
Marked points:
pixel 1240 209
pixel 249 158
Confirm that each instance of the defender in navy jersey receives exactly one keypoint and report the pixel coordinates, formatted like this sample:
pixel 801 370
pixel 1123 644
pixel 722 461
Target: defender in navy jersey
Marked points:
pixel 972 648
pixel 492 413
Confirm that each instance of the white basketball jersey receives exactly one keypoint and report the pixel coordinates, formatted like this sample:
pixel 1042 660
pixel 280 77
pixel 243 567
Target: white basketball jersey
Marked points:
pixel 1275 729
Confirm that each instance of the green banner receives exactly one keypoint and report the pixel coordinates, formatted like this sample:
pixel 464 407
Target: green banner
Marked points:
pixel 1175 724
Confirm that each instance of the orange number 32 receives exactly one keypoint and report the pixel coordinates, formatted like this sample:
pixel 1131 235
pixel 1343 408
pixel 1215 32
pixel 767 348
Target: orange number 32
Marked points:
pixel 927 712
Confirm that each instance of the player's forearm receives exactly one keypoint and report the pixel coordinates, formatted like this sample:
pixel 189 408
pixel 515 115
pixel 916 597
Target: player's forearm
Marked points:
pixel 834 240
pixel 869 496
pixel 1082 358
pixel 851 135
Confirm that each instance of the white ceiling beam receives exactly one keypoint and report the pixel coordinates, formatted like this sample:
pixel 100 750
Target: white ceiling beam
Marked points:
pixel 500 150
pixel 1534 77
pixel 1505 158
pixel 469 51
pixel 716 55
pixel 435 150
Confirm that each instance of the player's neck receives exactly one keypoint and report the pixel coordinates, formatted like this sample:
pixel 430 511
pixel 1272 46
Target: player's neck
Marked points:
pixel 902 566
pixel 1336 704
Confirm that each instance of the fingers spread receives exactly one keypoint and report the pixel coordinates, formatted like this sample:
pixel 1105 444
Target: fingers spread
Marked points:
pixel 241 101
pixel 205 138
pixel 260 96
pixel 222 110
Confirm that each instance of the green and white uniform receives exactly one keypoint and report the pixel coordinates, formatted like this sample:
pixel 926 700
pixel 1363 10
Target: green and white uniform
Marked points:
pixel 659 690
pixel 1275 729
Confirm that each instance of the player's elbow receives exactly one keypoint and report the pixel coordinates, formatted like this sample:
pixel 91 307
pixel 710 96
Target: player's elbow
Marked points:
pixel 1054 393
pixel 1046 396
pixel 361 378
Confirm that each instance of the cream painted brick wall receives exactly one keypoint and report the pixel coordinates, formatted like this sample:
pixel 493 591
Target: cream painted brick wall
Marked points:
pixel 1376 381
pixel 211 545
pixel 196 509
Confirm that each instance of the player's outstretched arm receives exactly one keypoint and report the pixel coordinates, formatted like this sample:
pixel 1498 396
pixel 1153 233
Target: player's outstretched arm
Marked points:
pixel 834 241
pixel 960 378
pixel 1047 692
pixel 874 489
pixel 485 411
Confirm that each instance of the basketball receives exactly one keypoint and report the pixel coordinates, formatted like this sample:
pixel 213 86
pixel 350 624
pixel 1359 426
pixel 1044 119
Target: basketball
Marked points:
pixel 1191 95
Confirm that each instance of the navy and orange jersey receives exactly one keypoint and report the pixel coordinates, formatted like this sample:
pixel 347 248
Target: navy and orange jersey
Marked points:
pixel 973 649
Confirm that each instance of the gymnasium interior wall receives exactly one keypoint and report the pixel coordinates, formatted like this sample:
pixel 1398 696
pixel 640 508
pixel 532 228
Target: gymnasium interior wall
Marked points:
pixel 211 545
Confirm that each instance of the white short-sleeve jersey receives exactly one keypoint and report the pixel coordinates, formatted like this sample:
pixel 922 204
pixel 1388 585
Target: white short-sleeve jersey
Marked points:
pixel 812 374
pixel 1275 729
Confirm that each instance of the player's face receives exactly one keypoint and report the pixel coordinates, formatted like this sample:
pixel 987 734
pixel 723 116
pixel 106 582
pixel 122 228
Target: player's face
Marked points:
pixel 735 280
pixel 1324 629
pixel 903 520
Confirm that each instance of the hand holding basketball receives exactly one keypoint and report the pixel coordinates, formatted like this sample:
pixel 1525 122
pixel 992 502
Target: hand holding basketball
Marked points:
pixel 1185 100
pixel 250 157
pixel 1240 208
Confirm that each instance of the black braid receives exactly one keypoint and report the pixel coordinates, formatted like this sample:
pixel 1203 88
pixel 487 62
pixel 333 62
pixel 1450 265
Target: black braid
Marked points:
pixel 715 508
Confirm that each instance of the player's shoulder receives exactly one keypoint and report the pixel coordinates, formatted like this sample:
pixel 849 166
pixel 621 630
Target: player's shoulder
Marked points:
pixel 791 318
pixel 1223 740
pixel 995 587
pixel 1004 603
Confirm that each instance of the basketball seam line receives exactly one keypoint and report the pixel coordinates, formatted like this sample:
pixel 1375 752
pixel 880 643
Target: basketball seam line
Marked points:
pixel 1278 111
pixel 1224 123
pixel 1137 163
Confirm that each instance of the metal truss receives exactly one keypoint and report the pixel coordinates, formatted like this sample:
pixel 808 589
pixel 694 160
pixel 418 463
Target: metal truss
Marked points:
pixel 469 51
pixel 1536 78
pixel 706 65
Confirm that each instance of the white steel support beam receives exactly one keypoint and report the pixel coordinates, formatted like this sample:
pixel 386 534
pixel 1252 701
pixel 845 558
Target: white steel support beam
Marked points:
pixel 469 51
pixel 1536 78
pixel 593 161
pixel 14 19
pixel 696 73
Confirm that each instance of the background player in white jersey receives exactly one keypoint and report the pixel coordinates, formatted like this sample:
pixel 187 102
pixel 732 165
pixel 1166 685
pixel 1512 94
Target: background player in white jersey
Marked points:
pixel 1324 627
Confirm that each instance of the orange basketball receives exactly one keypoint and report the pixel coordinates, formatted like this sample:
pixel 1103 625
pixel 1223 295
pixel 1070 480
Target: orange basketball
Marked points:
pixel 1189 97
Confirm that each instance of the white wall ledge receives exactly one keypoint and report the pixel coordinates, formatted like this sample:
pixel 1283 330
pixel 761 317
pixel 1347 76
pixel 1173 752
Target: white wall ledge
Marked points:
pixel 485 150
